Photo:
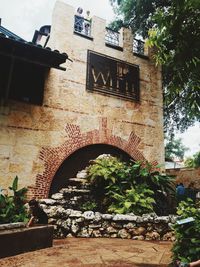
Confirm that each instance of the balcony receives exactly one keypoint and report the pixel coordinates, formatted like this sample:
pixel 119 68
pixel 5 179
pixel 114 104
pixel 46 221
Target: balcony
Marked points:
pixel 112 37
pixel 82 27
pixel 139 48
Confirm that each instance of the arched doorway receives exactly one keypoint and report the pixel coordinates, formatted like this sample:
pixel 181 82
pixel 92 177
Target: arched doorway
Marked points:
pixel 78 160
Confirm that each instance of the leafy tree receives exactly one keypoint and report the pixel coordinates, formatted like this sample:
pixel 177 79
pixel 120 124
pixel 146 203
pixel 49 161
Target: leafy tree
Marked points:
pixel 189 162
pixel 194 161
pixel 174 149
pixel 197 160
pixel 174 29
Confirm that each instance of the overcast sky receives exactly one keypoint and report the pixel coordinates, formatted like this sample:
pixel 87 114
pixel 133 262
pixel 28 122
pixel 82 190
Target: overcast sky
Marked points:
pixel 191 139
pixel 23 17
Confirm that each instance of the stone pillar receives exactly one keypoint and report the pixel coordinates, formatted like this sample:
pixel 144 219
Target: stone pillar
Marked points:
pixel 98 32
pixel 62 26
pixel 127 43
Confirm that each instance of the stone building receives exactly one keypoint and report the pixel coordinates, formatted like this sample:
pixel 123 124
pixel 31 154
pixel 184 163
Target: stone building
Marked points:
pixel 109 100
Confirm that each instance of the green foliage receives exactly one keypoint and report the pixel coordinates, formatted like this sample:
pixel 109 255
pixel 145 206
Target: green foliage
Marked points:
pixel 103 173
pixel 105 167
pixel 89 205
pixel 137 199
pixel 137 14
pixel 189 162
pixel 197 160
pixel 187 244
pixel 12 207
pixel 194 161
pixel 173 27
pixel 174 149
pixel 128 187
pixel 177 39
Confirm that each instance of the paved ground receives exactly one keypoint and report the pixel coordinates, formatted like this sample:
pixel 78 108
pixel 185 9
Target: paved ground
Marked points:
pixel 95 252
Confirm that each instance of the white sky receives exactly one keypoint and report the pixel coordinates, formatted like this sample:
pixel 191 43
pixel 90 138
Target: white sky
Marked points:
pixel 23 17
pixel 191 139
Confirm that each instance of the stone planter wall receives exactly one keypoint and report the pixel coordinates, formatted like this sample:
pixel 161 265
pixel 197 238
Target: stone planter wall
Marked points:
pixel 9 226
pixel 15 238
pixel 69 222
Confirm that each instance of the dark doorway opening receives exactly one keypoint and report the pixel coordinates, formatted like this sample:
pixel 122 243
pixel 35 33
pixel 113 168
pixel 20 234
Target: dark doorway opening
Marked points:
pixel 79 160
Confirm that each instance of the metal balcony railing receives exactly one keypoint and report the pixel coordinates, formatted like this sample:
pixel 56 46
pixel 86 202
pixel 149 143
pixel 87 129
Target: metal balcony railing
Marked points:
pixel 82 25
pixel 112 37
pixel 138 47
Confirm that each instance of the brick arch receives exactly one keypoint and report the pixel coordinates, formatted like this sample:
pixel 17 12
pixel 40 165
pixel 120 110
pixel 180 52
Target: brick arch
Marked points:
pixel 54 157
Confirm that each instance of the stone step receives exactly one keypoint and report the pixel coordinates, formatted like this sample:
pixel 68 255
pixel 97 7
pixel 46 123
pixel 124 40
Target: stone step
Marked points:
pixel 78 180
pixel 73 204
pixel 79 183
pixel 70 187
pixel 75 200
pixel 74 191
pixel 82 174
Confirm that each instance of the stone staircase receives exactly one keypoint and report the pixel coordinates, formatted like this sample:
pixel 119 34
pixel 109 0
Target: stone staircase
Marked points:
pixel 75 194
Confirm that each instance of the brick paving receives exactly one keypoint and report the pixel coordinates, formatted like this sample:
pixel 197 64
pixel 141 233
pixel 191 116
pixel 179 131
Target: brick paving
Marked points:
pixel 95 252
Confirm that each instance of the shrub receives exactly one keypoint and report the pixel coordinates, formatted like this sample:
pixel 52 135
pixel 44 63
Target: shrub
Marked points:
pixel 128 187
pixel 104 173
pixel 12 207
pixel 187 245
pixel 137 199
pixel 89 205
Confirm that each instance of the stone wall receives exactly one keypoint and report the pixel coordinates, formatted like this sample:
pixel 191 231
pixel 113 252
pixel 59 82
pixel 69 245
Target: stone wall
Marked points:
pixel 68 222
pixel 17 239
pixel 186 176
pixel 36 140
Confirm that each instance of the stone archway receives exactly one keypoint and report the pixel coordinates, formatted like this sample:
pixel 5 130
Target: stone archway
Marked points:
pixel 54 157
pixel 79 160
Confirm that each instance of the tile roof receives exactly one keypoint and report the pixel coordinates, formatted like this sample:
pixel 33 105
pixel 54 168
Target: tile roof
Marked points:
pixel 10 34
pixel 12 45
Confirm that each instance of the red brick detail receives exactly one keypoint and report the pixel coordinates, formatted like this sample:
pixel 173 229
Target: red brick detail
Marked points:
pixel 154 163
pixel 54 157
pixel 155 166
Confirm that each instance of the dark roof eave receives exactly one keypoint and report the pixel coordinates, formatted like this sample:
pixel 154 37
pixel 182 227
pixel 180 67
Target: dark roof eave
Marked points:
pixel 31 53
pixel 10 34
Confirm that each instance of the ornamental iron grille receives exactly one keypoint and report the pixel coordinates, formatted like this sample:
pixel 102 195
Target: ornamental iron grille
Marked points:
pixel 138 46
pixel 112 77
pixel 82 25
pixel 112 37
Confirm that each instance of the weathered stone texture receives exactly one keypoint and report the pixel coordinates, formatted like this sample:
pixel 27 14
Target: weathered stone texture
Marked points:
pixel 186 176
pixel 69 222
pixel 33 139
